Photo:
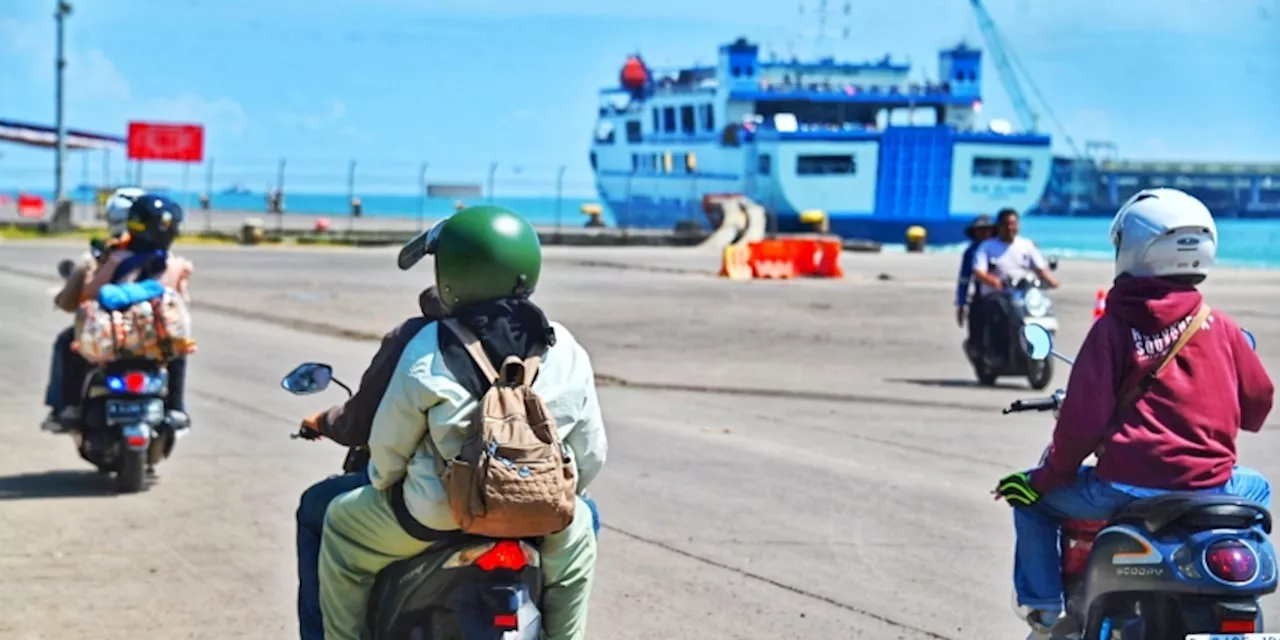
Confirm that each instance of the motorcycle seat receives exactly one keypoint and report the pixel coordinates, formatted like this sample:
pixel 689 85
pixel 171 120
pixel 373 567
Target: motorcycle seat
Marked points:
pixel 1195 511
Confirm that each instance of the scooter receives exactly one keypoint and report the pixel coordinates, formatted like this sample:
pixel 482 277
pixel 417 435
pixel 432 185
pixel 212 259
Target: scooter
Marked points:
pixel 123 427
pixel 1025 304
pixel 1182 565
pixel 462 588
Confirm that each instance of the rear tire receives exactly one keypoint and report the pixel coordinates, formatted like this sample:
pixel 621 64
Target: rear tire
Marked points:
pixel 132 473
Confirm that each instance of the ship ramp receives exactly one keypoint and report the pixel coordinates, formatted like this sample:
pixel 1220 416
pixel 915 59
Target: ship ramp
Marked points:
pixel 742 220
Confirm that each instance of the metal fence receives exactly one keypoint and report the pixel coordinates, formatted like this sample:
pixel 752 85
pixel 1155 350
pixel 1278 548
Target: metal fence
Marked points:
pixel 309 185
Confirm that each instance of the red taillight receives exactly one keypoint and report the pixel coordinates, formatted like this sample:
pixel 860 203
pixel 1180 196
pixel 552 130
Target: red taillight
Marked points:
pixel 1237 626
pixel 506 621
pixel 135 382
pixel 136 441
pixel 1231 560
pixel 507 554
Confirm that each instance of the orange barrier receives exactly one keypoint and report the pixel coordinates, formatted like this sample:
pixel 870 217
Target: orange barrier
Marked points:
pixel 773 259
pixel 783 258
pixel 817 255
pixel 736 262
pixel 1100 304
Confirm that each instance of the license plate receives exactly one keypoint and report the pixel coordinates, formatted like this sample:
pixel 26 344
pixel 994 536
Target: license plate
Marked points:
pixel 125 411
pixel 1233 636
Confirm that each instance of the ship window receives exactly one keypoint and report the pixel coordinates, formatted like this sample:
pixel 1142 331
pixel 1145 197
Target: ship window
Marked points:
pixel 825 165
pixel 708 117
pixel 657 125
pixel 666 162
pixel 635 162
pixel 691 162
pixel 1003 168
pixel 593 160
pixel 764 164
pixel 669 119
pixel 633 131
pixel 688 123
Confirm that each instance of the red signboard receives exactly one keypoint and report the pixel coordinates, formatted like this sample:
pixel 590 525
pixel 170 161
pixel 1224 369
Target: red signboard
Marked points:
pixel 160 141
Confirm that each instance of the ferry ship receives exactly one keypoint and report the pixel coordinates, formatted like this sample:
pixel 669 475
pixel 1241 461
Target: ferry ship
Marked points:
pixel 861 142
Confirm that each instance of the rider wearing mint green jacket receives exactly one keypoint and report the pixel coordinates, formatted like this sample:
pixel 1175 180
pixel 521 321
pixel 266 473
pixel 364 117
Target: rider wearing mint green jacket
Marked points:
pixel 487 264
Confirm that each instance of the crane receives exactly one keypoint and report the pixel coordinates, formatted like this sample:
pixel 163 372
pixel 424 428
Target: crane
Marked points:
pixel 996 44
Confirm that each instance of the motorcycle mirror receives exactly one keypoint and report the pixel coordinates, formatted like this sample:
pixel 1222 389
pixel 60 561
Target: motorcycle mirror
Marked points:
pixel 308 378
pixel 65 268
pixel 1053 263
pixel 1037 342
pixel 1248 336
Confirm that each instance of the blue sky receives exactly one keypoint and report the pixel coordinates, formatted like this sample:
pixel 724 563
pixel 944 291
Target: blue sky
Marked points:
pixel 461 83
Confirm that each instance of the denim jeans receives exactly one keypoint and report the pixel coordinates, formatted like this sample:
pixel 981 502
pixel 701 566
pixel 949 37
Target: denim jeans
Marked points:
pixel 1037 567
pixel 61 347
pixel 311 509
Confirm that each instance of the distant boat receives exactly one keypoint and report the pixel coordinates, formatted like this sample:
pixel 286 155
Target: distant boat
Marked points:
pixel 237 189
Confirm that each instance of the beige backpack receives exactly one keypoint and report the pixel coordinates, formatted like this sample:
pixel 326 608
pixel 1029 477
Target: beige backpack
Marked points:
pixel 513 477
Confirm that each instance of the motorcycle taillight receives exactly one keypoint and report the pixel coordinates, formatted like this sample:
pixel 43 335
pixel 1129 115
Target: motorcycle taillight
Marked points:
pixel 506 554
pixel 1231 560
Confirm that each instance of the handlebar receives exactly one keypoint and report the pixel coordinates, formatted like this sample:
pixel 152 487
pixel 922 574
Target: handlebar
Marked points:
pixel 1047 403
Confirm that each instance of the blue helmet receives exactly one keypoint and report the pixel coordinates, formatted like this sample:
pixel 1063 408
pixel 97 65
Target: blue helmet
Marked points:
pixel 153 222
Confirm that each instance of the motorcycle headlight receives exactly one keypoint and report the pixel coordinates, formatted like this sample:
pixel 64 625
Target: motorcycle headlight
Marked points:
pixel 1036 303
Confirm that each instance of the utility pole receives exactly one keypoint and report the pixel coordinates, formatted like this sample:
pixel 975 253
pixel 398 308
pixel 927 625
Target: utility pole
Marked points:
pixel 60 63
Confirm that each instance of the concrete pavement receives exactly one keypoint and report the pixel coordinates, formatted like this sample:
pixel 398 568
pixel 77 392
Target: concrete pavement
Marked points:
pixel 801 459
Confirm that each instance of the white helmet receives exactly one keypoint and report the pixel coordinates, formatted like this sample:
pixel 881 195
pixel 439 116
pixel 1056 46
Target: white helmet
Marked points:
pixel 118 209
pixel 1164 232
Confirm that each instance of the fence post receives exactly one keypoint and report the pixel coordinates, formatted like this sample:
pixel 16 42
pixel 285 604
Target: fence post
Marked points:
pixel 280 198
pixel 493 168
pixel 351 196
pixel 559 201
pixel 208 193
pixel 422 201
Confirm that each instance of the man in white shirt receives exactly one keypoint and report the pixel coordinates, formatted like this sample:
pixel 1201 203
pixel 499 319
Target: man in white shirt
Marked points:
pixel 1004 255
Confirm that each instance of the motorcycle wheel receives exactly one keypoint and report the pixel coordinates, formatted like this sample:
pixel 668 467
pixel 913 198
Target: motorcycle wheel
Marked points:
pixel 132 473
pixel 1039 373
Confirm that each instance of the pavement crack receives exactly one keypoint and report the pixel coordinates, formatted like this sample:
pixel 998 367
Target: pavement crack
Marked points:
pixel 774 583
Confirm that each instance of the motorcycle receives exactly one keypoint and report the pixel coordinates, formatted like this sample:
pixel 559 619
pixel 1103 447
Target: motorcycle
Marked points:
pixel 123 426
pixel 462 588
pixel 1025 304
pixel 1180 565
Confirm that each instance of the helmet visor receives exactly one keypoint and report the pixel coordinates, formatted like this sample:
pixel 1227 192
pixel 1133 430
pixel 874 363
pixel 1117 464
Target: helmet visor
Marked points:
pixel 422 245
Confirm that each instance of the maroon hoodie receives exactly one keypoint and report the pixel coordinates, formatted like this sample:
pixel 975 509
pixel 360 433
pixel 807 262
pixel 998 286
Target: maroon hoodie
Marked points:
pixel 1180 434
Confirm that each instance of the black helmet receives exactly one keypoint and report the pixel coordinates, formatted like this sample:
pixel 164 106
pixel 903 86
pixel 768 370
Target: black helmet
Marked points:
pixel 154 221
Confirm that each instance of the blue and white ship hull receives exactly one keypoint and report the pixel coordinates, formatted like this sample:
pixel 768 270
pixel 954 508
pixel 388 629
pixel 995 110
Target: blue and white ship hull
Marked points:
pixel 658 150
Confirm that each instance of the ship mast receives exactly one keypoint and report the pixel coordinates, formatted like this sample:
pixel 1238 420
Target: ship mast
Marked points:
pixel 821 11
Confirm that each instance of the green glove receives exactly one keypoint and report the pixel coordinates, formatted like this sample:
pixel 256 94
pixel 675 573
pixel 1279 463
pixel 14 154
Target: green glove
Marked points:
pixel 1016 489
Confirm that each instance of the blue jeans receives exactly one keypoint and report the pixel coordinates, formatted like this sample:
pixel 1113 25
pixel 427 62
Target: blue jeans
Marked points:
pixel 61 346
pixel 315 501
pixel 1037 567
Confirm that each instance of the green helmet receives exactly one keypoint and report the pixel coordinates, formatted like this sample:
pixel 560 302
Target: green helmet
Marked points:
pixel 482 253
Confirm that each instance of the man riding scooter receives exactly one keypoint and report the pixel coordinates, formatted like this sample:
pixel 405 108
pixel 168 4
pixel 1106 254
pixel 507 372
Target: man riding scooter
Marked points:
pixel 1005 256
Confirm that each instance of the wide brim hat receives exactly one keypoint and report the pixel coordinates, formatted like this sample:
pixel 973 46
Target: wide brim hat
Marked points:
pixel 980 222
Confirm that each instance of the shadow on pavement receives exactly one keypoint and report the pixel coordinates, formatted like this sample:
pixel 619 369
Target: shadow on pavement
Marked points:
pixel 967 383
pixel 56 484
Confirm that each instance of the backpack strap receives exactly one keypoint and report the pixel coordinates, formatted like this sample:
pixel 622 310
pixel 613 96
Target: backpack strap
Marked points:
pixel 528 367
pixel 474 349
pixel 1136 390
